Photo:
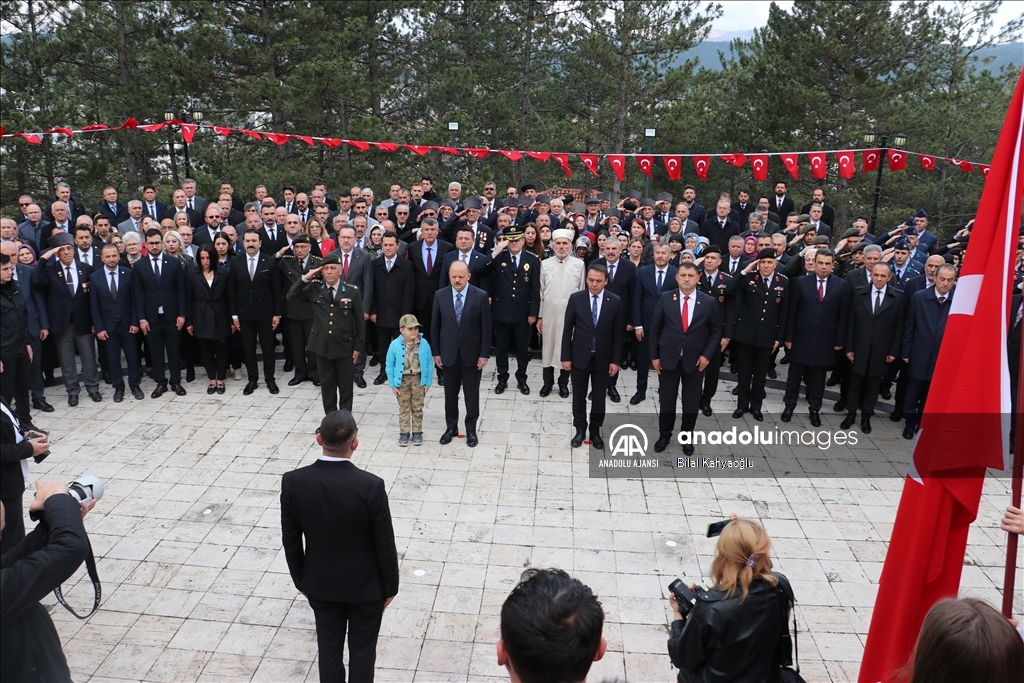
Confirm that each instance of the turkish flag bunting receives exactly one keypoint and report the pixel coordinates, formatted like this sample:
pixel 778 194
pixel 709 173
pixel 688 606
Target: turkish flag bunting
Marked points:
pixel 250 133
pixel 62 131
pixel 188 131
pixel 965 166
pixel 419 149
pixel 102 126
pixel 927 162
pixel 3 131
pixel 819 165
pixel 736 160
pixel 220 130
pixel 363 146
pixel 646 163
pixel 962 432
pixel 276 138
pixel 700 166
pixel 590 161
pixel 673 165
pixel 870 161
pixel 446 150
pixel 129 122
pixel 759 164
pixel 478 152
pixel 30 138
pixel 308 139
pixel 897 159
pixel 510 154
pixel 618 164
pixel 984 168
pixel 149 128
pixel 386 146
pixel 330 142
pixel 539 156
pixel 563 161
pixel 847 164
pixel 792 164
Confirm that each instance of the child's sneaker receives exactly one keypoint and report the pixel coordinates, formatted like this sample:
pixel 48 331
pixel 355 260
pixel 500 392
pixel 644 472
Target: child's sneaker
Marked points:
pixel 417 438
pixel 403 439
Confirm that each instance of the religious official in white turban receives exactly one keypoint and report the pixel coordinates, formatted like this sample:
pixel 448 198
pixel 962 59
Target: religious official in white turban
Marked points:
pixel 560 276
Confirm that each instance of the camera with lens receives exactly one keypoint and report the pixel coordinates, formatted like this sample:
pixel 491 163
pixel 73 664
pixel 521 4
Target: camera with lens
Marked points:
pixel 35 435
pixel 85 490
pixel 685 597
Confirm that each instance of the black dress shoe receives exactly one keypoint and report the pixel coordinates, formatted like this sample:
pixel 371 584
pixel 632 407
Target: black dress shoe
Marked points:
pixel 577 440
pixel 295 381
pixel 440 378
pixel 373 361
pixel 757 415
pixel 865 424
pixel 289 366
pixel 360 382
pixel 448 435
pixel 848 422
pixel 885 393
pixel 736 390
pixel 738 413
pixel 831 381
pixel 687 449
pixel 41 404
pixel 221 388
pixel 272 386
pixel 315 382
pixel 597 442
pixel 137 393
pixel 500 388
pixel 249 388
pixel 545 391
pixel 613 394
pixel 118 395
pixel 380 379
pixel 563 391
pixel 840 405
pixel 815 418
pixel 96 396
pixel 784 361
pixel 211 389
pixel 909 431
pixel 896 416
pixel 637 399
pixel 661 444
pixel 787 414
pixel 159 391
pixel 772 374
pixel 178 389
pixel 706 409
pixel 471 439
pixel 72 401
pixel 524 388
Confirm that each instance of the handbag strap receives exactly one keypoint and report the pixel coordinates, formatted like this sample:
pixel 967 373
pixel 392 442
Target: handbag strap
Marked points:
pixel 786 591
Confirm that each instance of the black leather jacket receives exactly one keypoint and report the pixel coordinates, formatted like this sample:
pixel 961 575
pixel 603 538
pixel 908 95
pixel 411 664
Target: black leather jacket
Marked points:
pixel 732 639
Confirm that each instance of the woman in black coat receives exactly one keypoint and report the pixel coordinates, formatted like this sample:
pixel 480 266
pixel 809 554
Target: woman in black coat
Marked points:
pixel 208 318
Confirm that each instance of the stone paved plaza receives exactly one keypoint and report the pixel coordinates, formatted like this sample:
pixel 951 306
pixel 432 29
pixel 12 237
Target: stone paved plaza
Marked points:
pixel 196 587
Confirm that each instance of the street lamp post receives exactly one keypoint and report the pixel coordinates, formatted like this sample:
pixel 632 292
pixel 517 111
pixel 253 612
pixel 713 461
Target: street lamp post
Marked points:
pixel 650 134
pixel 196 117
pixel 453 126
pixel 869 137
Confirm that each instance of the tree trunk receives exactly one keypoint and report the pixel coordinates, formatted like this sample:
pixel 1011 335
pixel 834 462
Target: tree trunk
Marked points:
pixel 624 41
pixel 123 72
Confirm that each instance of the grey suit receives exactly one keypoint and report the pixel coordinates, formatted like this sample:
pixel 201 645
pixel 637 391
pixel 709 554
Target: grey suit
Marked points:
pixel 129 226
pixel 360 274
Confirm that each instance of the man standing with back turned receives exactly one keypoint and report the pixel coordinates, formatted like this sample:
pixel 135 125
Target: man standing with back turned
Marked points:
pixel 340 546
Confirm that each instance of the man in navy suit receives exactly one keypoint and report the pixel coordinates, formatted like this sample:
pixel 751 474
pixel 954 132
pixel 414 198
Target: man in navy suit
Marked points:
pixel 479 263
pixel 427 257
pixel 113 208
pixel 158 294
pixel 116 321
pixel 685 331
pixel 460 337
pixel 925 239
pixel 651 282
pixel 150 206
pixel 621 281
pixel 592 340
pixel 923 327
pixel 780 203
pixel 35 310
pixel 256 305
pixel 720 227
pixel 816 329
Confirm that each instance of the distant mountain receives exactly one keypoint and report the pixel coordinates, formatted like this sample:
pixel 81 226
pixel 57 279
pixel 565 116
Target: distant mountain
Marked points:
pixel 716 36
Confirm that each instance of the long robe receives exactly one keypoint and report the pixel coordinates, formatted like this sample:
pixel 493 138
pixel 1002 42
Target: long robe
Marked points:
pixel 558 280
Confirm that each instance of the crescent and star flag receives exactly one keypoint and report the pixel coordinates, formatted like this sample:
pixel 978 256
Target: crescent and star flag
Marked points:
pixel 963 432
pixel 871 159
pixel 700 166
pixel 819 166
pixel 927 162
pixel 618 164
pixel 847 164
pixel 792 165
pixel 759 164
pixel 897 160
pixel 590 161
pixel 563 161
pixel 645 162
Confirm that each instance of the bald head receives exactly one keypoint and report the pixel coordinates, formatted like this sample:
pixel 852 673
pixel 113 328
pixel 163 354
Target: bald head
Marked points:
pixel 458 275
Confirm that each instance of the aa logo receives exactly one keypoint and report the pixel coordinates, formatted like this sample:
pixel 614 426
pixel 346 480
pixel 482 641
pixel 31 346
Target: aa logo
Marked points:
pixel 629 441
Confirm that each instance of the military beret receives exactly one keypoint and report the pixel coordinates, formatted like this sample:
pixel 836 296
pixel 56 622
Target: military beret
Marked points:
pixel 803 218
pixel 821 239
pixel 331 260
pixel 713 249
pixel 648 202
pixel 851 232
pixel 301 238
pixel 542 199
pixel 858 247
pixel 593 200
pixel 807 228
pixel 664 197
pixel 472 203
pixel 767 252
pixel 902 244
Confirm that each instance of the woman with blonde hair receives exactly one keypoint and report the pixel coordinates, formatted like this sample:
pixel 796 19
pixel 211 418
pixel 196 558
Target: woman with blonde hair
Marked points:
pixel 736 629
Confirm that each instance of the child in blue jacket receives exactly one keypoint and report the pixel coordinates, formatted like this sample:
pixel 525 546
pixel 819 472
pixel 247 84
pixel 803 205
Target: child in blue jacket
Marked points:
pixel 410 369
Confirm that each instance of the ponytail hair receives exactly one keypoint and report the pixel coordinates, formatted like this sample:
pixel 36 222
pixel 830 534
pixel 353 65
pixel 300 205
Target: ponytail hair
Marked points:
pixel 742 555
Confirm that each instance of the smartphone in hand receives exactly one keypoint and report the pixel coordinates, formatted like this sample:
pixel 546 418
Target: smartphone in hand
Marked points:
pixel 715 528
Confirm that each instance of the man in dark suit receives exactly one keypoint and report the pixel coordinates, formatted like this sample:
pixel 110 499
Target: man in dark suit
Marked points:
pixel 65 285
pixel 15 341
pixel 479 263
pixel 158 294
pixel 74 205
pixel 57 215
pixel 744 207
pixel 816 329
pixel 923 327
pixel 34 229
pixel 715 282
pixel 115 320
pixel 179 204
pixel 515 304
pixel 151 207
pixel 873 340
pixel 113 208
pixel 686 328
pixel 356 269
pixel 856 279
pixel 394 293
pixel 460 337
pixel 205 233
pixel 651 282
pixel 621 281
pixel 781 204
pixel 15 448
pixel 719 228
pixel 272 235
pixel 36 320
pixel 762 300
pixel 254 297
pixel 299 313
pixel 427 256
pixel 828 214
pixel 87 253
pixel 193 201
pixel 333 509
pixel 592 341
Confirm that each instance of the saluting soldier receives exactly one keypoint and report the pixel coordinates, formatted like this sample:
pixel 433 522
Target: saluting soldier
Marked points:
pixel 762 301
pixel 299 311
pixel 715 283
pixel 515 303
pixel 339 329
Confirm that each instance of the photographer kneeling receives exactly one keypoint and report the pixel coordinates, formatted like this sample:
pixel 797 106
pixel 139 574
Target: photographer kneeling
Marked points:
pixel 736 630
pixel 30 649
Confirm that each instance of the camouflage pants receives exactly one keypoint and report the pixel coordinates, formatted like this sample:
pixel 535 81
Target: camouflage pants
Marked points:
pixel 410 404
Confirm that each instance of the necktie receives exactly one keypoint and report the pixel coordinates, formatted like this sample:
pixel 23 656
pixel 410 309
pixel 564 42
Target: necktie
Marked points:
pixel 136 224
pixel 611 272
pixel 821 290
pixel 190 205
pixel 252 268
pixel 711 281
pixel 878 301
pixel 85 258
pixel 464 258
pixel 69 279
pixel 458 307
pixel 1020 312
pixel 661 273
pixel 430 261
pixel 686 313
pixel 722 224
pixel 942 300
pixel 344 269
pixel 113 286
pixel 156 267
pixel 593 314
pixel 331 290
pixel 389 264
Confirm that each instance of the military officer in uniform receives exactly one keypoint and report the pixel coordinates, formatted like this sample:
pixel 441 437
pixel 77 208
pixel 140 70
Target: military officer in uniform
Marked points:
pixel 762 298
pixel 339 329
pixel 715 282
pixel 515 302
pixel 299 313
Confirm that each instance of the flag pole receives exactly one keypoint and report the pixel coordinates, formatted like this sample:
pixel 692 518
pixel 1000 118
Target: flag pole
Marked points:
pixel 1016 474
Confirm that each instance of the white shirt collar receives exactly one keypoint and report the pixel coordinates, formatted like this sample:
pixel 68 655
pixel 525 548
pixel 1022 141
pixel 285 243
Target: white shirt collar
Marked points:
pixel 328 458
